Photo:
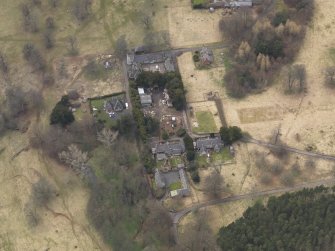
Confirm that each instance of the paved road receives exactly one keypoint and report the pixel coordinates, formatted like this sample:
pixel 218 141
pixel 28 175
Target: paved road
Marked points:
pixel 176 216
pixel 290 149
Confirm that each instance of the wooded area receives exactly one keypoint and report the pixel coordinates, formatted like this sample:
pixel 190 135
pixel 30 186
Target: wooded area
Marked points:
pixel 296 221
pixel 264 44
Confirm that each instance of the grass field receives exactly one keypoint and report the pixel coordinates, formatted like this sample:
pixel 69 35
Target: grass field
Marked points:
pixel 175 186
pixel 206 123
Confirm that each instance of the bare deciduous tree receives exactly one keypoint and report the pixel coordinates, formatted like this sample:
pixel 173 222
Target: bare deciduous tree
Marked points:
pixel 198 235
pixel 54 3
pixel 34 57
pixel 146 20
pixel 234 26
pixel 51 140
pixel 30 21
pixel 310 164
pixel 48 40
pixel 158 225
pixel 295 78
pixel 107 137
pixel 3 64
pixel 62 71
pixel 41 192
pixel 31 215
pixel 73 50
pixel 300 74
pixel 213 183
pixel 330 76
pixel 81 9
pixel 74 158
pixel 121 47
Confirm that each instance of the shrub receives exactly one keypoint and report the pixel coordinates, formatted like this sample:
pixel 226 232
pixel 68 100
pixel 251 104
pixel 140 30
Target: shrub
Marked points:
pixel 280 18
pixel 165 135
pixel 230 134
pixel 61 113
pixel 196 57
pixel 181 132
pixel 195 176
pixel 190 155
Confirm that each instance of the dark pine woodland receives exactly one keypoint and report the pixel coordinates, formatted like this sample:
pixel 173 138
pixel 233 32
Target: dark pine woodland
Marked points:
pixel 298 221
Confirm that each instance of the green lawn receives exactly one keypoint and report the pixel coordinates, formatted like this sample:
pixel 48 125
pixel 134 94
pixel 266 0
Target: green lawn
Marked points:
pixel 175 161
pixel 222 156
pixel 206 123
pixel 175 186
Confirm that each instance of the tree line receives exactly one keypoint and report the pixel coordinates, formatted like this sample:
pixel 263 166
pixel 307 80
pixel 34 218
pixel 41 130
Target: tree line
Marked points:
pixel 296 221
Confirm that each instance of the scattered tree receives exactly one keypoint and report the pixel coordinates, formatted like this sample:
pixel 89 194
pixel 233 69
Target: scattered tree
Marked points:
pixel 4 68
pixel 73 50
pixel 50 24
pixel 213 183
pixel 330 76
pixel 310 164
pixel 30 21
pixel 199 235
pixel 74 158
pixel 41 192
pixel 81 9
pixel 54 3
pixel 107 137
pixel 34 57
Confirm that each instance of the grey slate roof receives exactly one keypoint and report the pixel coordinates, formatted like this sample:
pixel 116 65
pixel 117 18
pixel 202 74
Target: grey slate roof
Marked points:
pixel 114 105
pixel 206 55
pixel 171 148
pixel 161 156
pixel 209 143
pixel 145 99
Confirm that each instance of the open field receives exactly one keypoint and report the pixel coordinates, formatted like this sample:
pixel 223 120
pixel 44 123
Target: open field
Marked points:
pixel 193 27
pixel 63 224
pixel 199 82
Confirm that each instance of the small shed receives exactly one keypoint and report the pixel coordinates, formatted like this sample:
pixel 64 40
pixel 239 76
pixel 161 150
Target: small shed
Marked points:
pixel 146 100
pixel 141 91
pixel 206 56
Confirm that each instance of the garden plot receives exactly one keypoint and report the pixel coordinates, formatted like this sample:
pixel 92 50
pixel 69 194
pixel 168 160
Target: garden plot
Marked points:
pixel 107 110
pixel 205 118
pixel 260 114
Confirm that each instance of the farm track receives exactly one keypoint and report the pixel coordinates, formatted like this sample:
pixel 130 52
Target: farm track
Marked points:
pixel 290 149
pixel 177 216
